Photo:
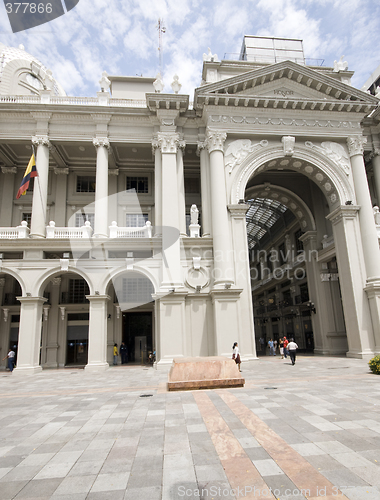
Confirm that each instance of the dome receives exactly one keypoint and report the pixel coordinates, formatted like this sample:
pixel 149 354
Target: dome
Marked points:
pixel 23 74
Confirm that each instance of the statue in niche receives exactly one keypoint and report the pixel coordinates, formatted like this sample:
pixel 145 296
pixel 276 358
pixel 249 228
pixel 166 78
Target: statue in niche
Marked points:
pixel 376 215
pixel 194 214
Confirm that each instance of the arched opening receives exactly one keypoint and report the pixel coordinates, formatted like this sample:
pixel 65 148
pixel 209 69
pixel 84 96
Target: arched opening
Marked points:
pixel 10 289
pixel 294 272
pixel 131 318
pixel 65 327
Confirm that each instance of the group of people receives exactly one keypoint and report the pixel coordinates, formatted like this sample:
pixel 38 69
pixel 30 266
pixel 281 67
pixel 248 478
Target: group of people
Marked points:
pixel 123 353
pixel 287 347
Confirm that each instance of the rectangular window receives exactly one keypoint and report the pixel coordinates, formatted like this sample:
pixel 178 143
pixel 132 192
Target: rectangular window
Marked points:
pixel 137 290
pixel 86 184
pixel 299 244
pixel 27 216
pixel 81 218
pixel 78 289
pixel 139 184
pixel 135 220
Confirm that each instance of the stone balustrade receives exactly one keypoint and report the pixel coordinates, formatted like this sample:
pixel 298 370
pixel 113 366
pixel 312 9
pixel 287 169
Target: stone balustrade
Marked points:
pixel 131 232
pixel 69 232
pixel 13 233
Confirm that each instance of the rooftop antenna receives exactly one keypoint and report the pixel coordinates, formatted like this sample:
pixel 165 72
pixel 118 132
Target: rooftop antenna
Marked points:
pixel 161 30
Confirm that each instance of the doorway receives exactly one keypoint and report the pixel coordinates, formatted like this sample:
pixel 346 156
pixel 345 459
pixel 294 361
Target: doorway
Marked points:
pixel 138 336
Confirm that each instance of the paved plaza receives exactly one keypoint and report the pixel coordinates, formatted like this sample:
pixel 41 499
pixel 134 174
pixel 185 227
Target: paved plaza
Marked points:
pixel 293 432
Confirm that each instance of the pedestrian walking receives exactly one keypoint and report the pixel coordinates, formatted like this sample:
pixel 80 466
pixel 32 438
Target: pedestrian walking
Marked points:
pixel 271 348
pixel 262 343
pixel 292 349
pixel 115 354
pixel 281 343
pixel 236 354
pixel 275 346
pixel 286 342
pixel 11 359
pixel 123 353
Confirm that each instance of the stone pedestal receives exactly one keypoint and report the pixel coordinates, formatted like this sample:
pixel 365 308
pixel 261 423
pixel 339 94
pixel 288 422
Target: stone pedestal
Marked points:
pixel 204 373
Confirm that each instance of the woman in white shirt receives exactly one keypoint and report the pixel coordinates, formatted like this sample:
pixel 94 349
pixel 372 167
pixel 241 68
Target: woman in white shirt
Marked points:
pixel 236 355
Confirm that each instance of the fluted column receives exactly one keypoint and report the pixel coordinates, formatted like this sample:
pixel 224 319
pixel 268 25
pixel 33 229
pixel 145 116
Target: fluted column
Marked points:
pixel 40 191
pixel 205 188
pixel 102 146
pixel 223 269
pixel 367 225
pixel 171 262
pixel 157 187
pixel 181 188
pixel 376 171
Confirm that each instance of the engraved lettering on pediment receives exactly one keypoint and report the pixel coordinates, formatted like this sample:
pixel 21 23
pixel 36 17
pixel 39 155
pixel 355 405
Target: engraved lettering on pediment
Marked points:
pixel 335 152
pixel 240 149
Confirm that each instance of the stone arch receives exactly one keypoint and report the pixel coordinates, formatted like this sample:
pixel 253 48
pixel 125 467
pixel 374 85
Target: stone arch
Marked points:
pixel 10 272
pixel 52 273
pixel 136 269
pixel 332 179
pixel 287 198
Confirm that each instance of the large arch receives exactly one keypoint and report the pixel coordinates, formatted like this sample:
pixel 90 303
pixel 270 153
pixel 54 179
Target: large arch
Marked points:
pixel 287 198
pixel 329 175
pixel 11 272
pixel 52 273
pixel 119 271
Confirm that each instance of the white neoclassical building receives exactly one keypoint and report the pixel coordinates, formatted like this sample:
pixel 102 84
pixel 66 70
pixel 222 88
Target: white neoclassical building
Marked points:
pixel 181 226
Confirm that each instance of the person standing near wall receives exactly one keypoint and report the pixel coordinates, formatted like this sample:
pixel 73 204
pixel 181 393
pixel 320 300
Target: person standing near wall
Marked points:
pixel 115 354
pixel 11 359
pixel 123 353
pixel 286 342
pixel 236 354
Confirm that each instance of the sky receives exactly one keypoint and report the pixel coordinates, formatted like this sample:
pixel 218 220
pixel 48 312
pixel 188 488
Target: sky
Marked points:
pixel 120 36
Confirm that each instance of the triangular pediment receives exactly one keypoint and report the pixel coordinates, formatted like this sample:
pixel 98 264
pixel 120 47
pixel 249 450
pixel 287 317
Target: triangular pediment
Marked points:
pixel 284 83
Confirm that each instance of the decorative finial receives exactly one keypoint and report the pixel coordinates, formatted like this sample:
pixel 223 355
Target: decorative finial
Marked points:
pixel 105 82
pixel 158 84
pixel 340 65
pixel 21 47
pixel 209 57
pixel 176 86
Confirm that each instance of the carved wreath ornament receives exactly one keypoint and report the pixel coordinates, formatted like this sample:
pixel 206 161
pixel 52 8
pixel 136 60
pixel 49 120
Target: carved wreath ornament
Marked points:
pixel 240 149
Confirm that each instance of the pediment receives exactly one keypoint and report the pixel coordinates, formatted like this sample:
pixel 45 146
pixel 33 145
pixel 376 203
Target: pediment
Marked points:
pixel 282 84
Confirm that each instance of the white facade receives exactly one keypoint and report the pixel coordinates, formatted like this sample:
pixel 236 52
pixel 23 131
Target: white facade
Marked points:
pixel 77 275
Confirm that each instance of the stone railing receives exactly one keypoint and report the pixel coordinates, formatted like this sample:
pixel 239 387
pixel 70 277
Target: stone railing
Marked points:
pixel 13 233
pixel 69 232
pixel 73 101
pixel 327 241
pixel 131 232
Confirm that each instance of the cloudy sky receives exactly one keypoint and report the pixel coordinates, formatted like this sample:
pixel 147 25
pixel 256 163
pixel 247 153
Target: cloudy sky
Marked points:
pixel 120 36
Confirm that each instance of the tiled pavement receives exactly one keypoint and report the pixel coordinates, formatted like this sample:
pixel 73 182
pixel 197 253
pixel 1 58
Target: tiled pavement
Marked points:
pixel 293 432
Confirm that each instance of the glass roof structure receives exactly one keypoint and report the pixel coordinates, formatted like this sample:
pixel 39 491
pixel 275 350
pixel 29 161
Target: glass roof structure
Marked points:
pixel 261 217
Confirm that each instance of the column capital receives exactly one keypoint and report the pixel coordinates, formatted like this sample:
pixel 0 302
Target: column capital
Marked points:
pixel 215 140
pixel 98 298
pixel 38 140
pixel 355 144
pixel 343 212
pixel 155 145
pixel 61 171
pixel 56 281
pixel 101 142
pixel 9 170
pixel 168 142
pixel 200 146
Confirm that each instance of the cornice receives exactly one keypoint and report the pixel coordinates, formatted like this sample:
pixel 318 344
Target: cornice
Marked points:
pixel 343 212
pixel 158 101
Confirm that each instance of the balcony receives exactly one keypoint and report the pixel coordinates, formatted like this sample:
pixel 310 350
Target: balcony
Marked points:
pixel 131 232
pixel 69 232
pixel 13 233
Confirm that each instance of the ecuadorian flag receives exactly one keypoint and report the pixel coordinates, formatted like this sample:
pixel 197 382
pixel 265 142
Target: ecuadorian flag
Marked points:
pixel 31 171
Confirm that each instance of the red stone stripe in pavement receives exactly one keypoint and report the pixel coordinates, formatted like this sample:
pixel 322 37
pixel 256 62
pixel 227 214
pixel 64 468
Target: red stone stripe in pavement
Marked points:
pixel 296 467
pixel 239 469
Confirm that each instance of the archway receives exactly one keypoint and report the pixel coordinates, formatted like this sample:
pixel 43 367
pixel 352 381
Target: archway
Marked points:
pixel 65 328
pixel 131 317
pixel 10 289
pixel 287 233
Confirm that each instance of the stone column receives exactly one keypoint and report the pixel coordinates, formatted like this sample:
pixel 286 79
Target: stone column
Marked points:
pixel 171 262
pixel 181 188
pixel 205 189
pixel 376 171
pixel 40 191
pixel 157 187
pixel 60 196
pixel 246 338
pixel 102 146
pixel 367 225
pixel 7 195
pixel 223 269
pixel 350 258
pixel 53 326
pixel 113 174
pixel 97 333
pixel 29 337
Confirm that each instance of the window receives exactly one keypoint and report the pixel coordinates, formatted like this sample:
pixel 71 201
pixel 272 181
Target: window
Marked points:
pixel 299 244
pixel 27 216
pixel 135 220
pixel 140 184
pixel 282 253
pixel 78 289
pixel 192 185
pixel 85 184
pixel 137 290
pixel 81 218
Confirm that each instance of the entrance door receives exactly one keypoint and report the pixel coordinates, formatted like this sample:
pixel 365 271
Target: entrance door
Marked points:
pixel 77 345
pixel 137 335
